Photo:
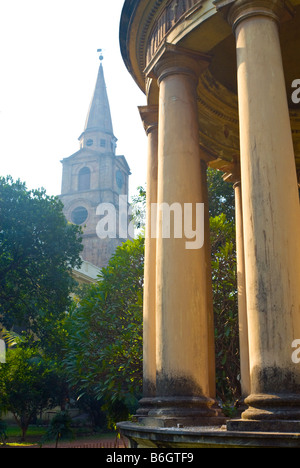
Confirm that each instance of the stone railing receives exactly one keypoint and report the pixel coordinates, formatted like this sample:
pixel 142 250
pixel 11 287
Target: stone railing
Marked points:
pixel 172 14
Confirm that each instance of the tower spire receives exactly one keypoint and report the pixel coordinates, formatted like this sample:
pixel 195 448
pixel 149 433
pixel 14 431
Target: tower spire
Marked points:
pixel 98 124
pixel 94 175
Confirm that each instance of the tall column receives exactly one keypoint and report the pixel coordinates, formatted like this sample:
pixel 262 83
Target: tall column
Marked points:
pixel 208 274
pixel 234 177
pixel 149 115
pixel 242 299
pixel 184 324
pixel 271 218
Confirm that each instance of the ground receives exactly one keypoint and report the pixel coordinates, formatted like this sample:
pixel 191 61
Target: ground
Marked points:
pixel 104 441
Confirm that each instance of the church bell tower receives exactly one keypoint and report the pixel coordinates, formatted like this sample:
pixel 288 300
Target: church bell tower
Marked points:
pixel 96 177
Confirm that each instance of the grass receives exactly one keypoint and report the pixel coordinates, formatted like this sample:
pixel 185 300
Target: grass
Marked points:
pixel 13 434
pixel 35 433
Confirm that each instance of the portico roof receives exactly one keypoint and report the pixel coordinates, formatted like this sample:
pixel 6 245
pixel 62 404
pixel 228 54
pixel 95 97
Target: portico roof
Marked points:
pixel 198 26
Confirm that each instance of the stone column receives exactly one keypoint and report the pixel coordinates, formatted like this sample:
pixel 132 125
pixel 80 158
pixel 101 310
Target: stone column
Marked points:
pixel 271 218
pixel 234 177
pixel 242 300
pixel 184 324
pixel 149 115
pixel 208 274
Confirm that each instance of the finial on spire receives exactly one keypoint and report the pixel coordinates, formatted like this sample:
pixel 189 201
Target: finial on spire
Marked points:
pixel 101 55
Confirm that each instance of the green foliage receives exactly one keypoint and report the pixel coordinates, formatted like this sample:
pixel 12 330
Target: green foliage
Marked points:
pixel 27 384
pixel 38 250
pixel 220 194
pixel 104 353
pixel 99 342
pixel 138 205
pixel 224 280
pixel 59 428
pixel 88 404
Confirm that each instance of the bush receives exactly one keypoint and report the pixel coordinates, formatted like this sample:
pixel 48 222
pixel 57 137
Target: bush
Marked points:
pixel 59 428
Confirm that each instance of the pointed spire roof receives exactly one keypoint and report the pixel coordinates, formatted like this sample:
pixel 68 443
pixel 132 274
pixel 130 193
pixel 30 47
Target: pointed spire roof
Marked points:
pixel 98 124
pixel 99 116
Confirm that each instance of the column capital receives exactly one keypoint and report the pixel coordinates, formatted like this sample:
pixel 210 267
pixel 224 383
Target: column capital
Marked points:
pixel 233 174
pixel 172 60
pixel 236 11
pixel 149 116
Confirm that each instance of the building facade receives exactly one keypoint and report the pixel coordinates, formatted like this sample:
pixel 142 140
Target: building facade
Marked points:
pixel 222 80
pixel 93 180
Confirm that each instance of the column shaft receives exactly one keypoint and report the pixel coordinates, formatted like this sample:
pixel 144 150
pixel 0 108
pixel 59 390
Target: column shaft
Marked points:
pixel 181 305
pixel 209 291
pixel 150 117
pixel 184 323
pixel 242 300
pixel 270 213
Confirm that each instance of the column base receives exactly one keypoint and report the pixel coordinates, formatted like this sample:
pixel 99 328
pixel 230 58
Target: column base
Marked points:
pixel 244 425
pixel 269 413
pixel 240 407
pixel 146 404
pixel 179 412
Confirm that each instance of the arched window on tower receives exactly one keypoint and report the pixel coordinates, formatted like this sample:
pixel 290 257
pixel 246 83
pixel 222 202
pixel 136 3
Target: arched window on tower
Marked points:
pixel 84 179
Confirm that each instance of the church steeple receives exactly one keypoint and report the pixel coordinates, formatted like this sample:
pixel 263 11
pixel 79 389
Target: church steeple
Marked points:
pixel 94 177
pixel 98 131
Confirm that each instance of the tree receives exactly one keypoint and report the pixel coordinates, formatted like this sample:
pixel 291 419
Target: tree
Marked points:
pixel 39 249
pixel 26 385
pixel 3 428
pixel 220 195
pixel 104 353
pixel 138 205
pixel 224 282
pixel 59 428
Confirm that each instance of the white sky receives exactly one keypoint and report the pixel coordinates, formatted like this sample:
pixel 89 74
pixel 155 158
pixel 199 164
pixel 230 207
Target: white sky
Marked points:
pixel 48 70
